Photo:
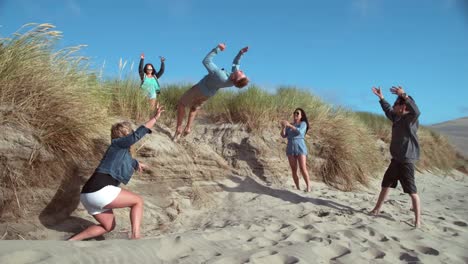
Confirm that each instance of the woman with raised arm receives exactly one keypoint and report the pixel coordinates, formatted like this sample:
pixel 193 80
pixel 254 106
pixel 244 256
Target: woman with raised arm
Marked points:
pixel 296 149
pixel 150 79
pixel 101 193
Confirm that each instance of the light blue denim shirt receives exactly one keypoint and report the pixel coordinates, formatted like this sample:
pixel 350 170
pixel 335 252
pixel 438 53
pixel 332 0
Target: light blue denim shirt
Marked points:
pixel 216 78
pixel 296 142
pixel 117 161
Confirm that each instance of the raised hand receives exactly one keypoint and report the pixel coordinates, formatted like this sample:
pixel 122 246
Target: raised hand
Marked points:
pixel 162 58
pixel 398 90
pixel 377 91
pixel 284 123
pixel 142 56
pixel 142 167
pixel 159 110
pixel 221 46
pixel 244 50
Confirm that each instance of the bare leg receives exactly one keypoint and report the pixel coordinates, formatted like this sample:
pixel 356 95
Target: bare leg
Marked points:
pixel 191 117
pixel 383 195
pixel 305 174
pixel 293 164
pixel 107 224
pixel 180 119
pixel 417 209
pixel 135 202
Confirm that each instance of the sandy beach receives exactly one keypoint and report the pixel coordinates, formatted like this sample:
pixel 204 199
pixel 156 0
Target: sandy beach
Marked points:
pixel 252 222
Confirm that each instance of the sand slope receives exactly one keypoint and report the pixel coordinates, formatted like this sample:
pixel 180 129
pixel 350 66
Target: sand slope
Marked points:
pixel 457 133
pixel 251 222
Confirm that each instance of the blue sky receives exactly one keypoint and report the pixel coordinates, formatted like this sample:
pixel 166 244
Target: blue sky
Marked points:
pixel 338 49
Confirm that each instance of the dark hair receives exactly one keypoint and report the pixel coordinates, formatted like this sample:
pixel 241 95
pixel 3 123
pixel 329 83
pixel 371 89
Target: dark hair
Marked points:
pixel 146 66
pixel 401 101
pixel 303 117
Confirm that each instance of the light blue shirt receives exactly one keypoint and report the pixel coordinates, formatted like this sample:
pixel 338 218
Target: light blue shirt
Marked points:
pixel 296 143
pixel 216 78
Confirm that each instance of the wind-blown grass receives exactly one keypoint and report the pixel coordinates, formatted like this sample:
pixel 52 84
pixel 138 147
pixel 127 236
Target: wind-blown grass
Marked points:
pixel 51 93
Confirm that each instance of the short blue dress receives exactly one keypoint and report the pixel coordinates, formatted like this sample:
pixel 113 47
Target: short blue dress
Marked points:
pixel 296 143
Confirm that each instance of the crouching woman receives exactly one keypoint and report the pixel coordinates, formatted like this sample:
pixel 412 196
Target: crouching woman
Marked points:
pixel 101 193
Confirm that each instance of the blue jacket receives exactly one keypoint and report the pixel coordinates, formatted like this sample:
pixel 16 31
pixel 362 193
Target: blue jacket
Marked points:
pixel 216 78
pixel 118 161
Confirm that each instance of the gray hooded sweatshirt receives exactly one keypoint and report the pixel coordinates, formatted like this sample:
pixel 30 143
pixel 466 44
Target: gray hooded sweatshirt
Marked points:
pixel 404 146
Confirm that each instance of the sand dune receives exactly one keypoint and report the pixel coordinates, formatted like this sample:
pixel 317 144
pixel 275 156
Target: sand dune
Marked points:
pixel 457 133
pixel 253 222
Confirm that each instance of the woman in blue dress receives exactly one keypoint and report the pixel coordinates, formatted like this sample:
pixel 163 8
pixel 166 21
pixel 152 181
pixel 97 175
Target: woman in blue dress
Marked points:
pixel 297 149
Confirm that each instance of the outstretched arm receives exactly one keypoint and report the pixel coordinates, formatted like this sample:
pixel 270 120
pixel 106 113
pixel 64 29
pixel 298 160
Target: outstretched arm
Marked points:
pixel 128 141
pixel 161 69
pixel 283 133
pixel 410 104
pixel 386 107
pixel 140 67
pixel 208 60
pixel 236 61
pixel 150 123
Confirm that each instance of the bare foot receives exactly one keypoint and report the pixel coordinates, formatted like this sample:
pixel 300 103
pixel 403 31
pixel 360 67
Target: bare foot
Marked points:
pixel 176 137
pixel 135 237
pixel 374 212
pixel 186 132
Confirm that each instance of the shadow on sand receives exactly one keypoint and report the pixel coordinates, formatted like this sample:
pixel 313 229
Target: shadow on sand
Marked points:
pixel 57 214
pixel 247 184
pixel 248 153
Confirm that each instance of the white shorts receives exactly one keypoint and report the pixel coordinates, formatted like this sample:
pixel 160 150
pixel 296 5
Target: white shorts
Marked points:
pixel 94 202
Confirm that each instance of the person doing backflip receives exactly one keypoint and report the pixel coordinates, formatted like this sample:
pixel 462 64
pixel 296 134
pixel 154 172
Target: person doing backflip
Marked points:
pixel 207 87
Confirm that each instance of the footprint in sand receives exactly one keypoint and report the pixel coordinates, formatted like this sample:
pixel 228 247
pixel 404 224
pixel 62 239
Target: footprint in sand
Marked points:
pixel 408 258
pixel 263 254
pixel 272 257
pixel 384 239
pixel 460 223
pixel 450 230
pixel 428 251
pixel 323 214
pixel 262 242
pixel 375 253
pixel 340 251
pixel 324 241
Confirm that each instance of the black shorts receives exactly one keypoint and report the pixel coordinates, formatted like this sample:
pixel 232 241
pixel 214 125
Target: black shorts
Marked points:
pixel 403 172
pixel 98 181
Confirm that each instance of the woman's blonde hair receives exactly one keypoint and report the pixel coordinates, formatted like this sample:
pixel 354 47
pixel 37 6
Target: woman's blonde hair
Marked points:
pixel 121 129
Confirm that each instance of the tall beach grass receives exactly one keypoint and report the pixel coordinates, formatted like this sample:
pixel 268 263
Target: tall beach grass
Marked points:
pixel 52 94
